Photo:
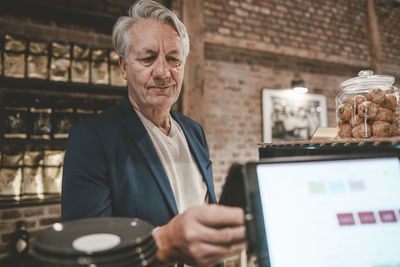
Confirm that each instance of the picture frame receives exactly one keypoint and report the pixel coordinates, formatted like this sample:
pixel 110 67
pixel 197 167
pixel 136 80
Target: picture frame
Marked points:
pixel 291 116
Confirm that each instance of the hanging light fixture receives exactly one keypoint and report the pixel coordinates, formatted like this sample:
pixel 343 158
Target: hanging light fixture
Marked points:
pixel 298 84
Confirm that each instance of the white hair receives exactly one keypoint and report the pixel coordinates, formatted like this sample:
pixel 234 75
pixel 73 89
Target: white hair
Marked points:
pixel 144 9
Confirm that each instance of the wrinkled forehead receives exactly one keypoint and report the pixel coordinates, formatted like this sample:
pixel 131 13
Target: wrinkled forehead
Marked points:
pixel 152 34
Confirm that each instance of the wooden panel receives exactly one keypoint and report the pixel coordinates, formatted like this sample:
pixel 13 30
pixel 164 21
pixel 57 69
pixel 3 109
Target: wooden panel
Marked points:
pixel 192 95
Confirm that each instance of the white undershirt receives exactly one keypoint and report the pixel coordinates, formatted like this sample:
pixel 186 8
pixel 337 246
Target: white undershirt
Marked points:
pixel 183 173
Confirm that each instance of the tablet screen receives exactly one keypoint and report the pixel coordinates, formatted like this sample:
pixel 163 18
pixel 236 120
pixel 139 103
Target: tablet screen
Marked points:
pixel 332 213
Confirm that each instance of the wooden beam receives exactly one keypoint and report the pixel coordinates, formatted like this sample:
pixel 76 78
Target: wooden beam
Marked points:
pixel 192 94
pixel 374 38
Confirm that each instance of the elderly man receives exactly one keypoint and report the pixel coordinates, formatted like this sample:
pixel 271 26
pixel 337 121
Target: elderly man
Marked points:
pixel 141 159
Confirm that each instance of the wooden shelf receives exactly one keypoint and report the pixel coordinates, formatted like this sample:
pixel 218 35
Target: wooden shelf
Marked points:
pixel 340 146
pixel 52 87
pixel 47 200
pixel 31 145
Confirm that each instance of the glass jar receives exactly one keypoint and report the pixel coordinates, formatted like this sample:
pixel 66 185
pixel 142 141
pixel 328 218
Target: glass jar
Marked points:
pixel 368 106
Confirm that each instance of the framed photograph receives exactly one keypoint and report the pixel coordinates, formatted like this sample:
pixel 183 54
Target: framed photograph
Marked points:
pixel 291 116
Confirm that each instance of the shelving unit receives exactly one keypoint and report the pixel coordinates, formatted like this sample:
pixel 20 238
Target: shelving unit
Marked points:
pixel 26 88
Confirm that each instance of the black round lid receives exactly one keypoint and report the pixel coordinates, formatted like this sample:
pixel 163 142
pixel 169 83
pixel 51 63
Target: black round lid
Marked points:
pixel 109 260
pixel 93 236
pixel 137 254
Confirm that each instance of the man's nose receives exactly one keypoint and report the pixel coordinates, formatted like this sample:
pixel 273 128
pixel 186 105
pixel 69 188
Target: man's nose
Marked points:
pixel 161 69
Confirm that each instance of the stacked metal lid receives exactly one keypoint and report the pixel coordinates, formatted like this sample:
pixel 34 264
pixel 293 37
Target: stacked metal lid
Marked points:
pixel 97 242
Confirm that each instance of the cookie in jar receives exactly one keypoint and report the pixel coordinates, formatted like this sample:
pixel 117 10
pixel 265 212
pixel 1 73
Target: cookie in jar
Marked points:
pixel 368 107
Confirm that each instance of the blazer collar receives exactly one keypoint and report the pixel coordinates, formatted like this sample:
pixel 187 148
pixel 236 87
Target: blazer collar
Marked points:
pixel 140 136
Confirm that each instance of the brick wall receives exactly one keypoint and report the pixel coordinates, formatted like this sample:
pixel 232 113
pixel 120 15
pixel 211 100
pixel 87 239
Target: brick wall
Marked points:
pixel 233 81
pixel 254 44
pixel 325 29
pixel 35 218
pixel 389 26
pixel 317 26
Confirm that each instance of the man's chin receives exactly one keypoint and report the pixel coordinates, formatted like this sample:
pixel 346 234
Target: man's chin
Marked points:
pixel 162 102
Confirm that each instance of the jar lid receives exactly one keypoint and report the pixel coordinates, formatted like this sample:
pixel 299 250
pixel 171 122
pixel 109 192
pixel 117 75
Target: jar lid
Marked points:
pixel 366 79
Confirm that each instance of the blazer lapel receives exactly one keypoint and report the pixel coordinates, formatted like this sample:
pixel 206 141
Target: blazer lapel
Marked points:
pixel 199 153
pixel 140 136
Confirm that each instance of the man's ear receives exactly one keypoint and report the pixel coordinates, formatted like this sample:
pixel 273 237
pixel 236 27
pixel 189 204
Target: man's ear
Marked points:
pixel 122 64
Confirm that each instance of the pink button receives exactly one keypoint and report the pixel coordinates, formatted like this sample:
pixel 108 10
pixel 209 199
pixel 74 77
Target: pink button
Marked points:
pixel 346 218
pixel 387 216
pixel 367 217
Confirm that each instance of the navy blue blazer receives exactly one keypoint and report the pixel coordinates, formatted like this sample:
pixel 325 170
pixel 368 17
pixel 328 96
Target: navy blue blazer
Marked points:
pixel 111 168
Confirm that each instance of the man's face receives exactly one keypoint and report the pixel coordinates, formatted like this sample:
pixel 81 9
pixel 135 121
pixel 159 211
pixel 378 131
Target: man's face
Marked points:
pixel 155 65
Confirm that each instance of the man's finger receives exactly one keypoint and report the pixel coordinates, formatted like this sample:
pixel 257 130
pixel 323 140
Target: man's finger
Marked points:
pixel 220 216
pixel 223 236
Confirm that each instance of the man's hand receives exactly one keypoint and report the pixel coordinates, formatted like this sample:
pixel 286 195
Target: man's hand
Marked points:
pixel 201 236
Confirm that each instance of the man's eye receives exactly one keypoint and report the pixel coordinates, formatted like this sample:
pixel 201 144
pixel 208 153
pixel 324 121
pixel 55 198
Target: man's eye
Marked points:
pixel 174 61
pixel 147 59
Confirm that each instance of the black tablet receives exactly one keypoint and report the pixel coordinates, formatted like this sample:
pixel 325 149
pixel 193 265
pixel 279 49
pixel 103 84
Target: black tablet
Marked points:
pixel 233 192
